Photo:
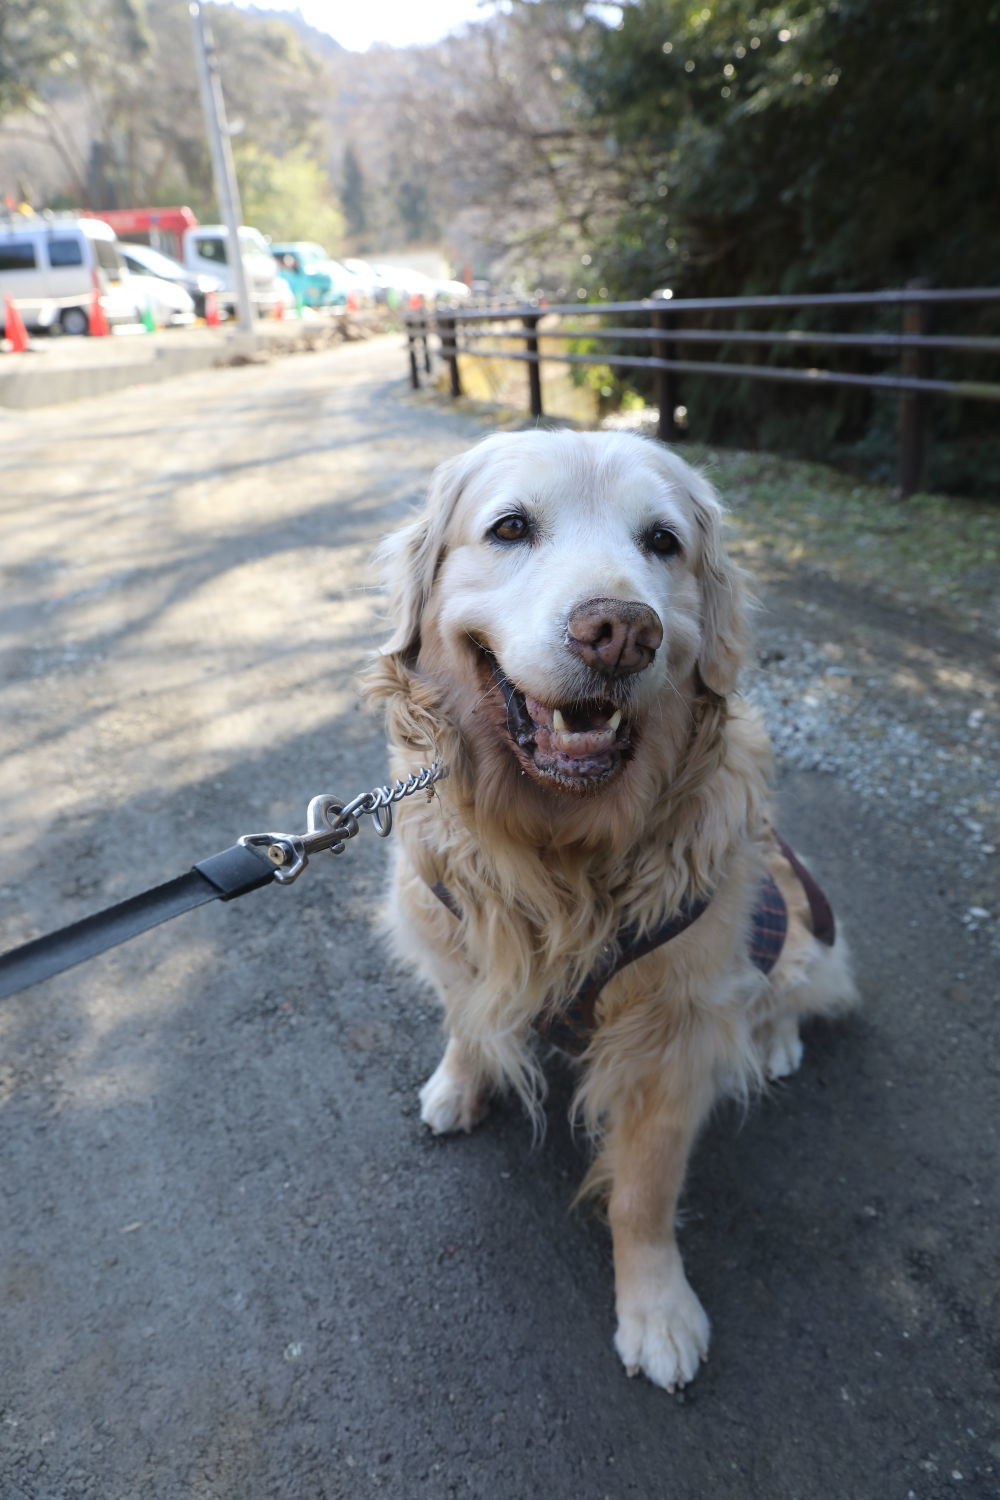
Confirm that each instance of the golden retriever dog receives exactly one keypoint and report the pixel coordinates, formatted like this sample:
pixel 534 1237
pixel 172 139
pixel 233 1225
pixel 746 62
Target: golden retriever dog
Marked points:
pixel 599 867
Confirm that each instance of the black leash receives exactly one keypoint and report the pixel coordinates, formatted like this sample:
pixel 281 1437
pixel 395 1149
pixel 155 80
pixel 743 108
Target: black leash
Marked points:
pixel 221 877
pixel 258 859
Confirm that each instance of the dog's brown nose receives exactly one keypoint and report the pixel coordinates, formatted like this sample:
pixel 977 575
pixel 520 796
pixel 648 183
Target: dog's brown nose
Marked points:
pixel 614 636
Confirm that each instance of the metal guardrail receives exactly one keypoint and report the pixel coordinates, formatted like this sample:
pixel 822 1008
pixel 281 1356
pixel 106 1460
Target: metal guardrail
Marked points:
pixel 465 332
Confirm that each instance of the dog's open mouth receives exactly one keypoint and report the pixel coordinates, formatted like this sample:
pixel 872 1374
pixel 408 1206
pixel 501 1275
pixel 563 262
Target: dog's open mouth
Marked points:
pixel 577 745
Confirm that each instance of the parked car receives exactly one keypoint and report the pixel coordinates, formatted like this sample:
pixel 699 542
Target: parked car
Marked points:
pixel 373 285
pixel 316 278
pixel 358 287
pixel 308 270
pixel 402 283
pixel 144 263
pixel 406 282
pixel 452 291
pixel 52 266
pixel 206 252
pixel 170 305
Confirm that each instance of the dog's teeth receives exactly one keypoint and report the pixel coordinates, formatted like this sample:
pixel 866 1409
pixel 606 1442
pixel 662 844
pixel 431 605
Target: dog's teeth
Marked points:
pixel 615 719
pixel 558 722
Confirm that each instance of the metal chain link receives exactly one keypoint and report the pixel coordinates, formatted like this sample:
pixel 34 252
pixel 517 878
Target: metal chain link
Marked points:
pixel 331 823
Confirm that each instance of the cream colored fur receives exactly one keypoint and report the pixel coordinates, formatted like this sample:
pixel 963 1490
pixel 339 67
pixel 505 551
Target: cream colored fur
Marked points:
pixel 545 877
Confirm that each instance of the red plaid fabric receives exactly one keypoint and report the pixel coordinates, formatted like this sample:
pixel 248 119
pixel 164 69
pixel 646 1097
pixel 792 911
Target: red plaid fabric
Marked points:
pixel 769 928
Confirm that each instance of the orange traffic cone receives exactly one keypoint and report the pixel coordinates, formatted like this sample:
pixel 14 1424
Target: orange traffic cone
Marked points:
pixel 211 310
pixel 13 324
pixel 98 321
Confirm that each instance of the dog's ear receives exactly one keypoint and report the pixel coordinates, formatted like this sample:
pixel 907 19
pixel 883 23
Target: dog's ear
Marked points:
pixel 725 602
pixel 411 557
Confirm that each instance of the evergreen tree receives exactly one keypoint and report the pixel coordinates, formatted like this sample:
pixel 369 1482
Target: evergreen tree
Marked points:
pixel 353 195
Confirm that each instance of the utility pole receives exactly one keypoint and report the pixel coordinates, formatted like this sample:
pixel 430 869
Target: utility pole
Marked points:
pixel 226 189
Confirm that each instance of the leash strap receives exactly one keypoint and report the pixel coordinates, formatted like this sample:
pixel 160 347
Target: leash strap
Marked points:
pixel 258 859
pixel 221 877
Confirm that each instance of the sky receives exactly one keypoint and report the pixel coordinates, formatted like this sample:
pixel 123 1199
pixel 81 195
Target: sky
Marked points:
pixel 402 23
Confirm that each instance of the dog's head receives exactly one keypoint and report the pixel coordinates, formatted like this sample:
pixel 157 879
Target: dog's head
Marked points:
pixel 565 588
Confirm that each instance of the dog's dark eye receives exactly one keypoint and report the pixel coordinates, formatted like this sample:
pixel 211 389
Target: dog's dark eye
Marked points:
pixel 511 529
pixel 663 541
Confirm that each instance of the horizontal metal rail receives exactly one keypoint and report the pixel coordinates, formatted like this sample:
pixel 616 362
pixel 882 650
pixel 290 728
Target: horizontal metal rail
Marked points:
pixel 464 333
pixel 745 304
pixel 795 336
pixel 972 389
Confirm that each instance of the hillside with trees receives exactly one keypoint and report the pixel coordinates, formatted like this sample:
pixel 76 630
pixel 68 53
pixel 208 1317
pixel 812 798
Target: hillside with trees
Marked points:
pixel 99 108
pixel 568 149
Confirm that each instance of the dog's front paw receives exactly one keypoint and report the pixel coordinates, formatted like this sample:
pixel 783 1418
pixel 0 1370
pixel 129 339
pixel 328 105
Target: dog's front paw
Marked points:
pixel 663 1330
pixel 784 1053
pixel 449 1101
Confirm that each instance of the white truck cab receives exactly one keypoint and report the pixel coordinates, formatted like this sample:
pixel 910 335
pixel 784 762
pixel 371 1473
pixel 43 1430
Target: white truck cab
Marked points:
pixel 205 250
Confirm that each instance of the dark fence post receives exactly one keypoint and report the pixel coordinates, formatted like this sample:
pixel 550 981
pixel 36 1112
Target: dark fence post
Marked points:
pixel 666 394
pixel 411 344
pixel 913 405
pixel 449 351
pixel 530 321
pixel 426 325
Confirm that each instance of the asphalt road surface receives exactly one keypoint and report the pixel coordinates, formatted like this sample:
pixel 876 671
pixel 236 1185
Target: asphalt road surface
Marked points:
pixel 233 1265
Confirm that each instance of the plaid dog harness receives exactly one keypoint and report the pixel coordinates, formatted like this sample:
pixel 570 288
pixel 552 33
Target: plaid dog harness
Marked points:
pixel 571 1027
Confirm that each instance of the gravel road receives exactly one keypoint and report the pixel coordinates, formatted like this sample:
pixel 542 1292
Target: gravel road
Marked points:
pixel 233 1266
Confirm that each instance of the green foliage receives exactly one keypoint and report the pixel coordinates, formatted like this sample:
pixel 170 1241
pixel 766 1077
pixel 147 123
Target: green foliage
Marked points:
pixel 415 207
pixel 289 198
pixel 353 193
pixel 35 43
pixel 833 143
pixel 814 145
pixel 613 394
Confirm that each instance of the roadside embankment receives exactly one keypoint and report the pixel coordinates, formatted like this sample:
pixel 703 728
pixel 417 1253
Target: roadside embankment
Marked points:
pixel 55 370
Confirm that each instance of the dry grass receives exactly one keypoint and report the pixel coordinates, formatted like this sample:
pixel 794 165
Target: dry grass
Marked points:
pixel 934 552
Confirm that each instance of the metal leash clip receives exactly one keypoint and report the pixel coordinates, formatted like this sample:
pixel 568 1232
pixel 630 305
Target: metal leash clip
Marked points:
pixel 330 823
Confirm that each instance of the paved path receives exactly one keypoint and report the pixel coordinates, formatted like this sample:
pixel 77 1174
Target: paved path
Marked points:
pixel 232 1264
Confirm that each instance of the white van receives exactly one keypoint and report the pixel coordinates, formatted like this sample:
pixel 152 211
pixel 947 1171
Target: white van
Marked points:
pixel 50 266
pixel 206 251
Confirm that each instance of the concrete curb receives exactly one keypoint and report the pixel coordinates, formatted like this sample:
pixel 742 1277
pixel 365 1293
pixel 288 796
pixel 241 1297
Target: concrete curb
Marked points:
pixel 56 373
